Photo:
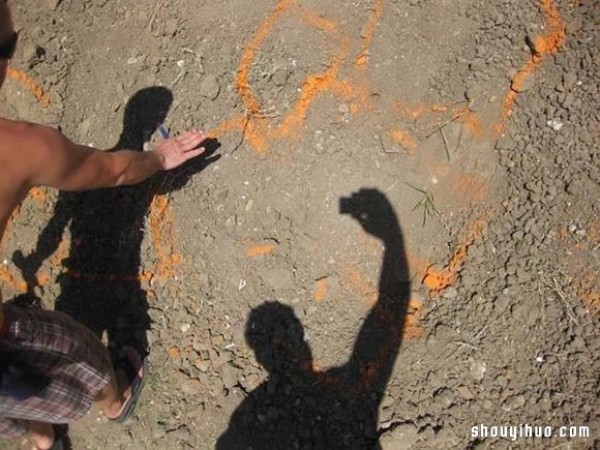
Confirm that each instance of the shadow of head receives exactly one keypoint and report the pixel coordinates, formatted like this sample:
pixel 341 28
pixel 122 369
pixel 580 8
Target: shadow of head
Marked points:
pixel 277 338
pixel 144 111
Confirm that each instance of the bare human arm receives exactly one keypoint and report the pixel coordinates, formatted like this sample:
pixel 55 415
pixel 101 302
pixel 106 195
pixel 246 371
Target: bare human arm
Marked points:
pixel 50 159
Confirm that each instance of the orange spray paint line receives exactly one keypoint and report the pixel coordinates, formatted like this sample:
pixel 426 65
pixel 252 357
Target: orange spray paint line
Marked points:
pixel 30 84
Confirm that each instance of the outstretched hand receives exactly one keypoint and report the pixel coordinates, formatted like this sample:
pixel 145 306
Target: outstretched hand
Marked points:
pixel 175 151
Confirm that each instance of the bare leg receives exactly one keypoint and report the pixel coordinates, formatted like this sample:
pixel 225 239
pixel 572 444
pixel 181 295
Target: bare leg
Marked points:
pixel 42 434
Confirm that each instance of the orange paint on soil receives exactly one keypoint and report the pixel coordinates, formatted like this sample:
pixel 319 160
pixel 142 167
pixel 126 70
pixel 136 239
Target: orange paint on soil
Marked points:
pixel 403 138
pixel 16 283
pixel 593 232
pixel 359 284
pixel 367 34
pixel 161 227
pixel 414 112
pixel 313 87
pixel 226 126
pixel 314 20
pixel 436 280
pixel 94 278
pixel 588 288
pixel 472 187
pixel 250 100
pixel 412 329
pixel 258 130
pixel 321 288
pixel 543 45
pixel 38 194
pixel 472 123
pixel 260 250
pixel 30 84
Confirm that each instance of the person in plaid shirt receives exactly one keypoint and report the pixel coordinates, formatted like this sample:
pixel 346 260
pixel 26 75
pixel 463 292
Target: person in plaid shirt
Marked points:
pixel 52 368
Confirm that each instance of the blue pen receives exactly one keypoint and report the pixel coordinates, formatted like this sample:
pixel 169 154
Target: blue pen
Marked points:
pixel 163 131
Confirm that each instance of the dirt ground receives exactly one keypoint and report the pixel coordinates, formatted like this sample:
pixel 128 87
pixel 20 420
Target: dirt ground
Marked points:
pixel 395 236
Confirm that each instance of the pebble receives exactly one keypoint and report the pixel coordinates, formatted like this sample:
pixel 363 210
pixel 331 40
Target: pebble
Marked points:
pixel 465 393
pixel 209 87
pixel 477 370
pixel 555 124
pixel 402 437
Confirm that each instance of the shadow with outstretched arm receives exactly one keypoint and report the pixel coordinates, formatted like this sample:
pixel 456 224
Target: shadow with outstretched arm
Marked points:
pixel 101 283
pixel 298 407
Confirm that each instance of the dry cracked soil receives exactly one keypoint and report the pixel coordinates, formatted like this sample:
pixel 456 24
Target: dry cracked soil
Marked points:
pixel 393 239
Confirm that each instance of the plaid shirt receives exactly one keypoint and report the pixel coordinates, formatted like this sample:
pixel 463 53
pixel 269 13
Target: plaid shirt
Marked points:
pixel 53 344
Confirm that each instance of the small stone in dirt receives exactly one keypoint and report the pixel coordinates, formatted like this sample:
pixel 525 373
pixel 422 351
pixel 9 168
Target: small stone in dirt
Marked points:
pixel 555 124
pixel 185 327
pixel 451 293
pixel 171 27
pixel 523 85
pixel 229 375
pixel 280 77
pixel 465 393
pixel 478 370
pixel 390 145
pixel 210 87
pixel 402 437
pixel 201 365
pixel 569 80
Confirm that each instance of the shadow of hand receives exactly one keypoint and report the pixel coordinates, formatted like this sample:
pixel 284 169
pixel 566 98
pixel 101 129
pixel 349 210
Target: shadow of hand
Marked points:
pixel 372 209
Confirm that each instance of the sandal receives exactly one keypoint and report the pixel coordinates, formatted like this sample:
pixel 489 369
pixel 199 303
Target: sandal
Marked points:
pixel 136 382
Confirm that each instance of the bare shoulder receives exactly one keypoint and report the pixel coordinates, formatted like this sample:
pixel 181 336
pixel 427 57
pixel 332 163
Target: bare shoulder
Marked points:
pixel 18 136
pixel 24 146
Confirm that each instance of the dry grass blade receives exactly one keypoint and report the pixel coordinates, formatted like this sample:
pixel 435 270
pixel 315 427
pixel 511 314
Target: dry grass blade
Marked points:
pixel 426 203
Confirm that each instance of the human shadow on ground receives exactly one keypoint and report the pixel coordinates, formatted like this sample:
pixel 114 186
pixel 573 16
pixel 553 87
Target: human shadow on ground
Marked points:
pixel 101 284
pixel 299 407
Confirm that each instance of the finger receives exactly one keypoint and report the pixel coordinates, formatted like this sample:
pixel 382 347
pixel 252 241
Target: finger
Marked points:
pixel 193 153
pixel 190 143
pixel 190 140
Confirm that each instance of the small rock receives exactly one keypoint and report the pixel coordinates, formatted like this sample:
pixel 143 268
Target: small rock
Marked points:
pixel 402 437
pixel 450 293
pixel 523 276
pixel 280 77
pixel 201 365
pixel 555 124
pixel 523 85
pixel 516 402
pixel 171 27
pixel 569 80
pixel 477 370
pixel 209 87
pixel 229 375
pixel 465 393
pixel 185 327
